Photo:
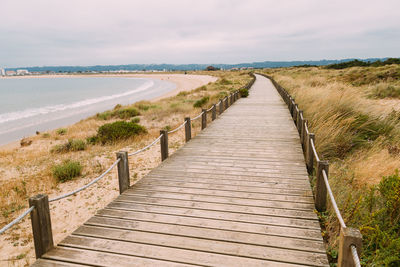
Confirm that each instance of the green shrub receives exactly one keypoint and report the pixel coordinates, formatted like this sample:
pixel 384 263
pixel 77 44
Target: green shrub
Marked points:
pixel 111 132
pixel 92 140
pixel 145 107
pixel 225 81
pixel 61 131
pixel 67 170
pixel 125 113
pixel 122 113
pixel 135 120
pixel 71 145
pixel 201 102
pixel 379 214
pixel 45 135
pixel 244 92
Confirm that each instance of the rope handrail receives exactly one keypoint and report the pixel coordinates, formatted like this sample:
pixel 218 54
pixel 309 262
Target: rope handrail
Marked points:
pixel 178 128
pixel 306 129
pixel 198 116
pixel 87 185
pixel 356 258
pixel 333 201
pixel 314 150
pixel 146 147
pixel 208 110
pixel 16 220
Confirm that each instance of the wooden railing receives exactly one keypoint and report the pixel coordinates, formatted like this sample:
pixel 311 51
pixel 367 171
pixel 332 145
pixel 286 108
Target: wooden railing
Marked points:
pixel 350 239
pixel 39 208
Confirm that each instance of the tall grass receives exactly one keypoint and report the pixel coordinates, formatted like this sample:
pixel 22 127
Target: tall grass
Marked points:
pixel 361 139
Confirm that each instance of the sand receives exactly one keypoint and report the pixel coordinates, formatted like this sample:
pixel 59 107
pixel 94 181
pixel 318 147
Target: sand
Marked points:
pixel 16 245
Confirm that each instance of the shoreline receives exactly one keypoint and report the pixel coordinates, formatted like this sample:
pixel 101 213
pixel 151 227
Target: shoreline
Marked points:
pixel 183 82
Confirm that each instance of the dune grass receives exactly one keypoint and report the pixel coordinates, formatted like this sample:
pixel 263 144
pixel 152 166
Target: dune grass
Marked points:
pixel 357 128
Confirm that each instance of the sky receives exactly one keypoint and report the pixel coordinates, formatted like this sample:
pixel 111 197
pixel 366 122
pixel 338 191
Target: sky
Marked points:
pixel 99 32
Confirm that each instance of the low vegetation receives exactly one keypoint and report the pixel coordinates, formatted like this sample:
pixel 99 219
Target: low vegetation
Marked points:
pixel 71 145
pixel 244 92
pixel 359 63
pixel 118 112
pixel 357 129
pixel 67 170
pixel 61 131
pixel 119 130
pixel 201 102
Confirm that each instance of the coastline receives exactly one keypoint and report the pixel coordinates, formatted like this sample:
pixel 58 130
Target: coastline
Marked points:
pixel 183 82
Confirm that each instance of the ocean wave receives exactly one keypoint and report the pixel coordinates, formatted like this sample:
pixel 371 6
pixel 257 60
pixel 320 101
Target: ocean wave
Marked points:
pixel 13 116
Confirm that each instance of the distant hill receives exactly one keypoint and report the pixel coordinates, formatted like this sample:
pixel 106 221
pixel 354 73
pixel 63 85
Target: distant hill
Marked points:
pixel 182 67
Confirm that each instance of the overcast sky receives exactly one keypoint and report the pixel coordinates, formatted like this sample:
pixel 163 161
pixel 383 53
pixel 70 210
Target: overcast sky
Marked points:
pixel 90 32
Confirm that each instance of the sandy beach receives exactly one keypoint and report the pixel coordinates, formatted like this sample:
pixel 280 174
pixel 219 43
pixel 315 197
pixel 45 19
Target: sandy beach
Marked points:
pixel 16 244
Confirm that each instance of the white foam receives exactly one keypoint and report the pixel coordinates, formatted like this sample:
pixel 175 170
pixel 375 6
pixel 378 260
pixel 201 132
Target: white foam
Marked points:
pixel 13 116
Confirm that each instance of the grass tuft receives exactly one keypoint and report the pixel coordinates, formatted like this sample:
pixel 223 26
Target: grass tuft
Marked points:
pixel 67 170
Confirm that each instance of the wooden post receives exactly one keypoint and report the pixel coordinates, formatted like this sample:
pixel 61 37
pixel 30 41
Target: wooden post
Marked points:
pixel 303 133
pixel 226 103
pixel 296 111
pixel 231 100
pixel 348 236
pixel 221 106
pixel 309 153
pixel 41 224
pixel 188 129
pixel 214 112
pixel 299 120
pixel 164 144
pixel 320 187
pixel 203 119
pixel 123 171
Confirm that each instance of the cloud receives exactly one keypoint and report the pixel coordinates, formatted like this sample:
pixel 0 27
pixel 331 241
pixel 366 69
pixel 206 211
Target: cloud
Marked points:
pixel 45 32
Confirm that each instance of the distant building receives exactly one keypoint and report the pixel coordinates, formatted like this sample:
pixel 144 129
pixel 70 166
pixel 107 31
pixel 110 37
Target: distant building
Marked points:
pixel 22 72
pixel 2 72
pixel 10 73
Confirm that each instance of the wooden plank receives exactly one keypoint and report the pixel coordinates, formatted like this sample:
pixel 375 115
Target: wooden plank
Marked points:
pixel 248 227
pixel 185 247
pixel 288 213
pixel 224 200
pixel 273 220
pixel 305 197
pixel 225 187
pixel 51 263
pixel 98 258
pixel 208 233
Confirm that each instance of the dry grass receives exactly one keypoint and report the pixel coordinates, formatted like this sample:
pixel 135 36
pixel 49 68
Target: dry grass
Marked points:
pixel 26 171
pixel 355 116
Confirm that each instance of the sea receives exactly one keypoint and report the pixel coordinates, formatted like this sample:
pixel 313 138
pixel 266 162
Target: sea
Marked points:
pixel 32 104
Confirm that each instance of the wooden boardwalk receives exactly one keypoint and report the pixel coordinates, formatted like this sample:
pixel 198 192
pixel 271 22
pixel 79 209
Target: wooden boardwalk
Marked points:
pixel 236 195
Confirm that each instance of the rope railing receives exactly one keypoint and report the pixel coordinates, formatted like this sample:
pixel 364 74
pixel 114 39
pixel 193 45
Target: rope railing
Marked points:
pixel 356 258
pixel 208 110
pixel 333 201
pixel 87 185
pixel 197 117
pixel 146 147
pixel 350 238
pixel 178 128
pixel 39 204
pixel 16 220
pixel 314 150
